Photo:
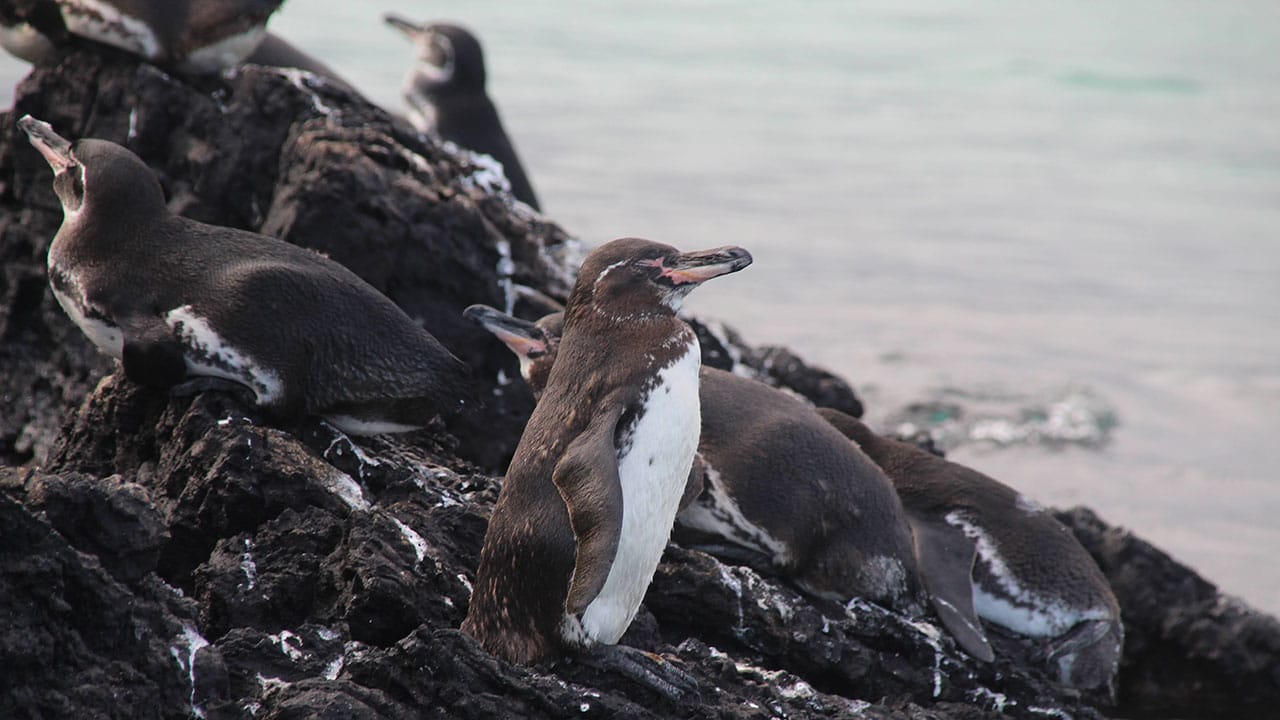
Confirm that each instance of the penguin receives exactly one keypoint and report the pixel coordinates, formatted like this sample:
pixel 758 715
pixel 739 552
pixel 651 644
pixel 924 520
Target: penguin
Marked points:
pixel 783 491
pixel 195 37
pixel 172 298
pixel 1023 569
pixel 446 92
pixel 593 488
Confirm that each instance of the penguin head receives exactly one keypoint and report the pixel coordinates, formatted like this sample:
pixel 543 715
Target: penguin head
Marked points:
pixel 534 344
pixel 449 56
pixel 635 278
pixel 94 173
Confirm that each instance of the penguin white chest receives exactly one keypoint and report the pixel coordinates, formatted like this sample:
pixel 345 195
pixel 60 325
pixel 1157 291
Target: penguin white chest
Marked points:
pixel 653 468
pixel 68 290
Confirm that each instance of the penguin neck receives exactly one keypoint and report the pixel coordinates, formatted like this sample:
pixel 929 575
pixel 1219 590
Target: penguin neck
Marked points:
pixel 623 316
pixel 625 306
pixel 862 435
pixel 100 230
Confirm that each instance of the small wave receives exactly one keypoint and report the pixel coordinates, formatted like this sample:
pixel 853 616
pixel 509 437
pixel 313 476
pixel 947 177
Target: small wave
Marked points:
pixel 1071 415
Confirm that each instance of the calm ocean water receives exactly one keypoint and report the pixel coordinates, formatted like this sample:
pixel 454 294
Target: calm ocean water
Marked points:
pixel 1059 220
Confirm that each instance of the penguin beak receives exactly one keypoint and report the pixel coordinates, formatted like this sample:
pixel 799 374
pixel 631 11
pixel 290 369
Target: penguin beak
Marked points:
pixel 413 30
pixel 538 300
pixel 700 266
pixel 523 338
pixel 55 148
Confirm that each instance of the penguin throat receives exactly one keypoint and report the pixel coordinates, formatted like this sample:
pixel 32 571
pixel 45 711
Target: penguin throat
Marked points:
pixel 70 188
pixel 674 296
pixel 436 60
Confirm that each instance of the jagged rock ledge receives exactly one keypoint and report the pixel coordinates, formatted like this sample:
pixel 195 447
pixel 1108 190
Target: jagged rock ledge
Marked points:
pixel 167 557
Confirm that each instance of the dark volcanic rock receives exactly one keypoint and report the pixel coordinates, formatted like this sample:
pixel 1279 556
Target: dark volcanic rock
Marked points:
pixel 1190 651
pixel 75 639
pixel 179 556
pixel 106 517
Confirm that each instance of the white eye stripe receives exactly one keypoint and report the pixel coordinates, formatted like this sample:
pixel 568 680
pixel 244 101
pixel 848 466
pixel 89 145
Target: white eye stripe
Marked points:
pixel 603 273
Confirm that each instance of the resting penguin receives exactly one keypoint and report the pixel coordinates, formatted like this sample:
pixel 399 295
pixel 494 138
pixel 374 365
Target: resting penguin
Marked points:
pixel 445 91
pixel 192 37
pixel 1024 570
pixel 783 490
pixel 596 480
pixel 202 36
pixel 170 297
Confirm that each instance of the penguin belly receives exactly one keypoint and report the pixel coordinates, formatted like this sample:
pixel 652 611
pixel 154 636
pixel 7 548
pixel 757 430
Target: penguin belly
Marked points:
pixel 1009 603
pixel 653 469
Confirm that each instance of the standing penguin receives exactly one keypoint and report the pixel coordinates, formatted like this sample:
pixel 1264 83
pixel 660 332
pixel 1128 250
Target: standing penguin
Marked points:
pixel 170 297
pixel 591 493
pixel 1024 570
pixel 446 92
pixel 782 489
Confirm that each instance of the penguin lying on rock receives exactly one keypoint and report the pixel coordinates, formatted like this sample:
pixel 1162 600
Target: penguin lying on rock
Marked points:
pixel 201 37
pixel 196 38
pixel 601 469
pixel 1051 589
pixel 173 299
pixel 445 90
pixel 1027 572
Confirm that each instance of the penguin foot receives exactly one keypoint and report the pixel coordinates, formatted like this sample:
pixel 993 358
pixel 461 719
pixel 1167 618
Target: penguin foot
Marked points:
pixel 1088 655
pixel 205 383
pixel 648 669
pixel 736 555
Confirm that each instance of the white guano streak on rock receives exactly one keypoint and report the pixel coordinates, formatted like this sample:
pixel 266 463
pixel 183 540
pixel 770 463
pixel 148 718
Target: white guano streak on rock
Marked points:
pixel 193 641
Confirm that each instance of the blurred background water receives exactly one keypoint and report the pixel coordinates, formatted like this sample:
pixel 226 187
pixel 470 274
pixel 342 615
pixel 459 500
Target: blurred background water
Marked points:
pixel 1047 231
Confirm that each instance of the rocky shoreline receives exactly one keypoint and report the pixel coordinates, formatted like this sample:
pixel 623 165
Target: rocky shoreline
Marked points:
pixel 167 557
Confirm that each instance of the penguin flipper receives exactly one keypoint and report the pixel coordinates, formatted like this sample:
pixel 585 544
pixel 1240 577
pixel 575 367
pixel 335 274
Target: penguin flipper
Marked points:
pixel 945 556
pixel 151 355
pixel 587 477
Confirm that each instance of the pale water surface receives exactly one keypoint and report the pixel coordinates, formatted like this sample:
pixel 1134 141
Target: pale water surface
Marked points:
pixel 1062 218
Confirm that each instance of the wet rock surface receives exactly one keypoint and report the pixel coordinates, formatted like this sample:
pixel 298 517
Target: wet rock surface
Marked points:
pixel 164 557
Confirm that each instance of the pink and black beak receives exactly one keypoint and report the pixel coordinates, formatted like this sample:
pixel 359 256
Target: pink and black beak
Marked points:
pixel 55 148
pixel 692 268
pixel 524 338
